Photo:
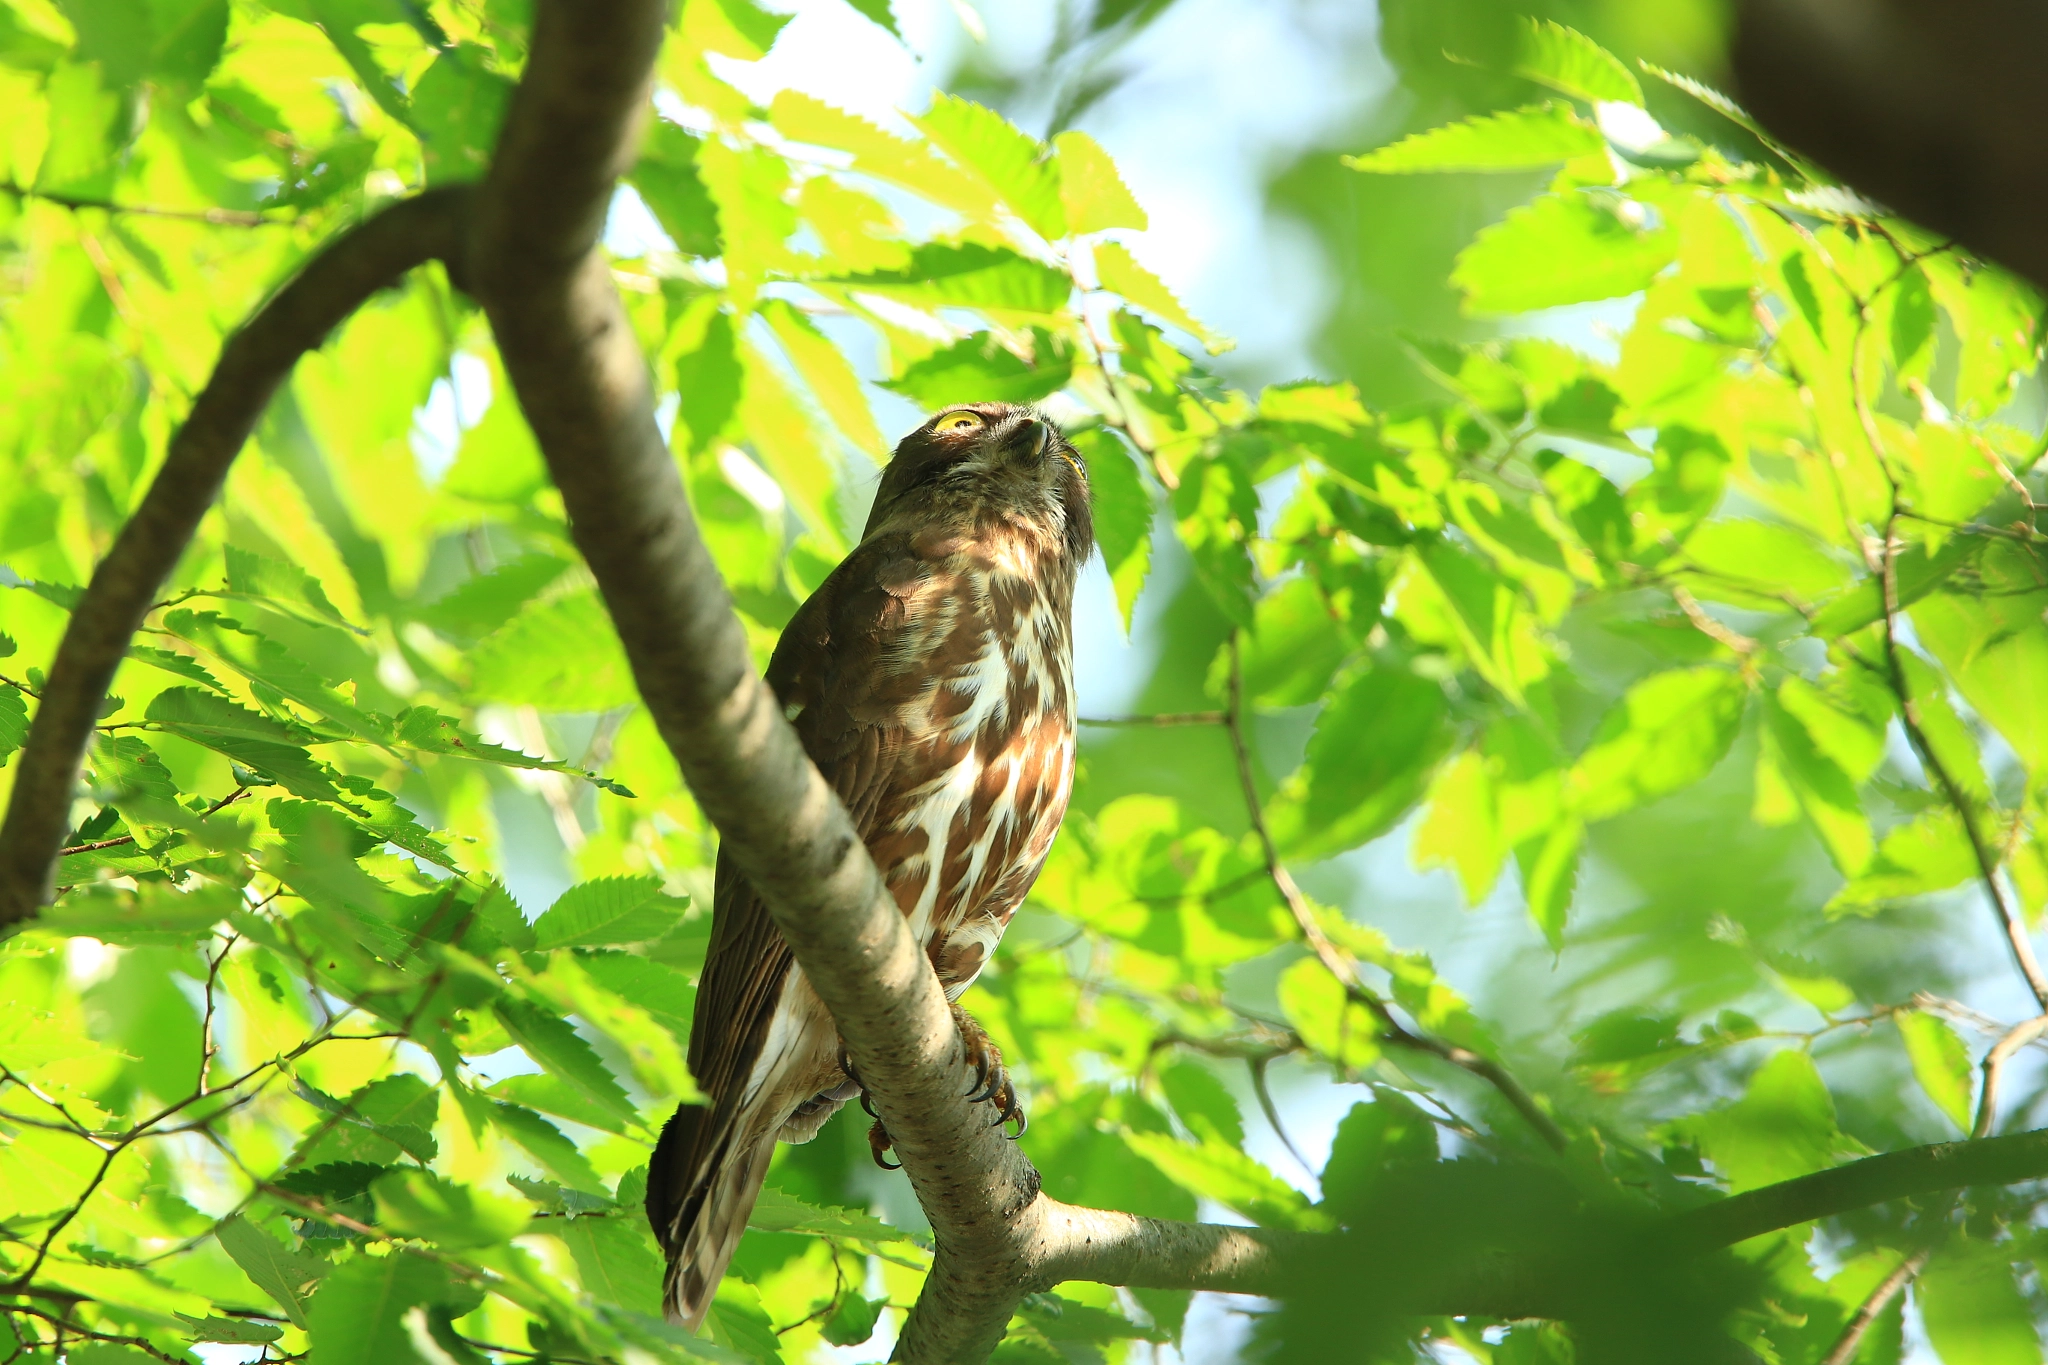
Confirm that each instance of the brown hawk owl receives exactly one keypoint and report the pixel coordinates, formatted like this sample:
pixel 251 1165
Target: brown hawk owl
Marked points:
pixel 930 678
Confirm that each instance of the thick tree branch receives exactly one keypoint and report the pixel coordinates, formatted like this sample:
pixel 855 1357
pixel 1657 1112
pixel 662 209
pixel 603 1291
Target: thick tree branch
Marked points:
pixel 1934 109
pixel 1860 1184
pixel 252 364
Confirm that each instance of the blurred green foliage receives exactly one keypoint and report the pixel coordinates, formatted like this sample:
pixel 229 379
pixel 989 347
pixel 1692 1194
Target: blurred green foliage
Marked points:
pixel 1721 657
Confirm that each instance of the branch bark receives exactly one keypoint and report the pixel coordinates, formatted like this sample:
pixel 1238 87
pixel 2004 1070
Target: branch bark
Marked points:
pixel 1933 109
pixel 254 362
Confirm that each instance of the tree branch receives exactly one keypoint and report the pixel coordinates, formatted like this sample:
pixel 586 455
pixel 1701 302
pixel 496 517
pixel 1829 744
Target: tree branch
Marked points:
pixel 1860 1184
pixel 254 362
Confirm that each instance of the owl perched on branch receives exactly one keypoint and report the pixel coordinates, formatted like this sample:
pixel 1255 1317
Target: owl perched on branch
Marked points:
pixel 930 678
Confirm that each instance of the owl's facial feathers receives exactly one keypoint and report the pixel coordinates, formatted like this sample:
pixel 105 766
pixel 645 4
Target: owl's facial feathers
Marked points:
pixel 989 460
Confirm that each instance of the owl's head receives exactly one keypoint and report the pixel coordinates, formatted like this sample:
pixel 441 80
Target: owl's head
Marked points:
pixel 1001 461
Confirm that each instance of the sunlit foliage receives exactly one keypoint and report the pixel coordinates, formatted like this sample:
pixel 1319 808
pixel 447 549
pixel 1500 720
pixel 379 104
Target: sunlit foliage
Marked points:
pixel 1743 616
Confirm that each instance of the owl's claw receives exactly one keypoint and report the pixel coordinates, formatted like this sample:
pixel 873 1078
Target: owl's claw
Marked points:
pixel 992 1082
pixel 878 1136
pixel 879 1144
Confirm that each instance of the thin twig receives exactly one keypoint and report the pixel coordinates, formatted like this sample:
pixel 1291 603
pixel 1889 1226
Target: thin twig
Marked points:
pixel 1339 963
pixel 206 1043
pixel 214 809
pixel 1847 1344
pixel 1171 718
pixel 218 217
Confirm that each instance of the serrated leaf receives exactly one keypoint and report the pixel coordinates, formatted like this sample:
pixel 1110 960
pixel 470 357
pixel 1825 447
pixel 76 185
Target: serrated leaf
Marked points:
pixel 260 578
pixel 1570 63
pixel 981 369
pixel 1014 165
pixel 548 1039
pixel 1973 1311
pixel 616 1260
pixel 1666 733
pixel 1123 514
pixel 13 721
pixel 609 910
pixel 1119 272
pixel 1564 248
pixel 968 275
pixel 775 1211
pixel 237 1331
pixel 183 665
pixel 1941 1063
pixel 423 1205
pixel 285 1276
pixel 1517 140
pixel 560 656
pixel 359 1316
pixel 1216 1170
pixel 546 1143
pixel 828 375
pixel 1095 195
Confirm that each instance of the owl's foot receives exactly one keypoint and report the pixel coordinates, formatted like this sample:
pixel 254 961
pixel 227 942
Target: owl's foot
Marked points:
pixel 991 1078
pixel 879 1142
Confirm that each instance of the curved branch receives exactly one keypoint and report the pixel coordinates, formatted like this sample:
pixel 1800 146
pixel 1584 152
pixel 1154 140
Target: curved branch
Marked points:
pixel 252 364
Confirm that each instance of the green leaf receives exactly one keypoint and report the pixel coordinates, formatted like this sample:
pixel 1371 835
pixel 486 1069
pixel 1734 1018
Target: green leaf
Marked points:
pixel 458 107
pixel 423 1205
pixel 1781 1128
pixel 478 605
pixel 776 1211
pixel 1564 248
pixel 983 369
pixel 1326 1017
pixel 237 1331
pixel 543 1141
pixel 1202 1104
pixel 1095 196
pixel 548 1039
pixel 1940 1063
pixel 1930 852
pixel 359 1316
pixel 193 712
pixel 1123 514
pixel 560 656
pixel 616 1260
pixel 1517 140
pixel 1216 1170
pixel 259 578
pixel 1373 1143
pixel 1973 1311
pixel 1666 733
pixel 1015 166
pixel 609 910
pixel 667 179
pixel 828 375
pixel 1119 272
pixel 1216 508
pixel 1572 64
pixel 1375 746
pixel 285 1276
pixel 13 721
pixel 969 275
pixel 183 665
pixel 883 13
pixel 853 1321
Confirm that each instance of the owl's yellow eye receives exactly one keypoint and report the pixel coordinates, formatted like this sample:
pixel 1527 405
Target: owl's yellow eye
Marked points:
pixel 957 422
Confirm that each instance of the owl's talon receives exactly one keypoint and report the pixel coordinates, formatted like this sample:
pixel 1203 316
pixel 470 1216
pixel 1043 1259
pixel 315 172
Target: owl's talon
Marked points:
pixel 879 1143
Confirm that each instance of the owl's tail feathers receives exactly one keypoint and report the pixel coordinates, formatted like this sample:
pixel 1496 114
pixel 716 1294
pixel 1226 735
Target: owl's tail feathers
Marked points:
pixel 701 1186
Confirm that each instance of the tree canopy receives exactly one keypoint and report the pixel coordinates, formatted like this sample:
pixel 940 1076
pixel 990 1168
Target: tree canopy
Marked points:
pixel 1708 660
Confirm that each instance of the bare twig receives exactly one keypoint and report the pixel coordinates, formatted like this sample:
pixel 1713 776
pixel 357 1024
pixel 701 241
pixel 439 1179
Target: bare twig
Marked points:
pixel 1339 963
pixel 217 216
pixel 1846 1345
pixel 214 809
pixel 1169 719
